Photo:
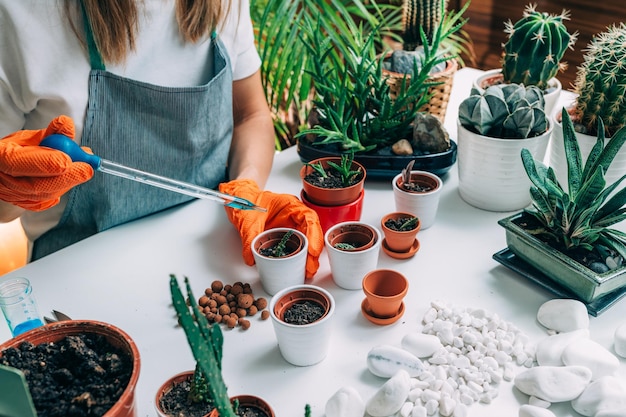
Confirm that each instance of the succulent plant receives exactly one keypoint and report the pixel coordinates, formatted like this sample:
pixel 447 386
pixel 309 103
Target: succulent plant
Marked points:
pixel 535 46
pixel 601 82
pixel 508 111
pixel 206 342
pixel 582 216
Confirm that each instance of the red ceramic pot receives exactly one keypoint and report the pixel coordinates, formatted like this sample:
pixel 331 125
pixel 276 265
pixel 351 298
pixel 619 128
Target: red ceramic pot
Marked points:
pixel 332 215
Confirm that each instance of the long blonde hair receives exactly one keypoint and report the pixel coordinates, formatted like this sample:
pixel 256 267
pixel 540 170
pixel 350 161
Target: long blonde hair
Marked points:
pixel 115 23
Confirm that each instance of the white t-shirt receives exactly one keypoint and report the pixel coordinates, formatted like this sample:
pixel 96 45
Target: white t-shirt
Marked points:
pixel 44 69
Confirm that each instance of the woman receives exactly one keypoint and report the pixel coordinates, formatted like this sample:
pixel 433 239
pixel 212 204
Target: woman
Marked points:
pixel 165 86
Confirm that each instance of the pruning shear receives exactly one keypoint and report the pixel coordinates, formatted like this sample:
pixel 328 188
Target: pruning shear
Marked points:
pixel 65 144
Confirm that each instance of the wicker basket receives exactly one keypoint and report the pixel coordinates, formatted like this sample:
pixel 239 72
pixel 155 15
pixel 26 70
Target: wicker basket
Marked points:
pixel 440 93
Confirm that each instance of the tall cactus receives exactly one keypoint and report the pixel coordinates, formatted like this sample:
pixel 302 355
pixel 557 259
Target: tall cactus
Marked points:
pixel 601 82
pixel 535 46
pixel 206 343
pixel 425 14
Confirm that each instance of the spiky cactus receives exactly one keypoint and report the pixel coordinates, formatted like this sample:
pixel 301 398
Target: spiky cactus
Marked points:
pixel 535 46
pixel 601 82
pixel 425 14
pixel 206 343
pixel 508 111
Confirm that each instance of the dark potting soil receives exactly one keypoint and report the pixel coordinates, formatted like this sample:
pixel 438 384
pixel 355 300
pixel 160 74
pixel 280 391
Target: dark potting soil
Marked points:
pixel 416 187
pixel 396 224
pixel 272 252
pixel 80 375
pixel 304 313
pixel 332 180
pixel 175 403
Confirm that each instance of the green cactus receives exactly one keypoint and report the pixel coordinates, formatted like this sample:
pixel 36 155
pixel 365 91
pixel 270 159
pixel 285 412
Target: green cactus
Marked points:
pixel 601 82
pixel 425 14
pixel 509 111
pixel 535 46
pixel 206 343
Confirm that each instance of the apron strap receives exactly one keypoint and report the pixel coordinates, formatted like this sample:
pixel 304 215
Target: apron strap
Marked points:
pixel 95 58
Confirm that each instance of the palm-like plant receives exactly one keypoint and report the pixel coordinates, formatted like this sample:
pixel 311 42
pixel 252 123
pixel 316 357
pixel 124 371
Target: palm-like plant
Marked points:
pixel 278 27
pixel 581 216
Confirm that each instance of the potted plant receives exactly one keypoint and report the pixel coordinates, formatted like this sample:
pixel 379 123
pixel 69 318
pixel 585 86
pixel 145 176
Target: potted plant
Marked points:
pixel 334 188
pixel 353 249
pixel 427 16
pixel 567 235
pixel 417 192
pixel 493 127
pixel 400 229
pixel 533 52
pixel 202 389
pixel 100 361
pixel 384 291
pixel 302 318
pixel 353 109
pixel 280 257
pixel 599 87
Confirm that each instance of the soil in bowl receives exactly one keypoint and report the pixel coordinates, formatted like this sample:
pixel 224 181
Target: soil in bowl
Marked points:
pixel 304 313
pixel 402 223
pixel 80 375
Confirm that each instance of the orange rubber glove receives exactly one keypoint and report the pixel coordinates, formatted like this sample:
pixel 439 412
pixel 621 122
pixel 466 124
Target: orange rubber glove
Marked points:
pixel 283 210
pixel 34 177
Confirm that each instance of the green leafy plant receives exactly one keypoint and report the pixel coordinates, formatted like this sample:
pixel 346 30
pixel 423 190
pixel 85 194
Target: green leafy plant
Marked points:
pixel 279 250
pixel 345 246
pixel 206 342
pixel 535 47
pixel 580 217
pixel 352 103
pixel 510 111
pixel 601 82
pixel 409 224
pixel 344 170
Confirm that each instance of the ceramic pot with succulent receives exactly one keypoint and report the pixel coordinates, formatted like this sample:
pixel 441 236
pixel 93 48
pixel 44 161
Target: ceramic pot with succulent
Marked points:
pixel 493 127
pixel 417 192
pixel 99 361
pixel 353 249
pixel 302 317
pixel 532 54
pixel 355 110
pixel 280 258
pixel 400 231
pixel 201 392
pixel 599 91
pixel 567 235
pixel 384 291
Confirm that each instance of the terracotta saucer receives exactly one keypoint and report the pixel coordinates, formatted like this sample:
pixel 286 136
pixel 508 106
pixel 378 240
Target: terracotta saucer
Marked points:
pixel 365 309
pixel 401 255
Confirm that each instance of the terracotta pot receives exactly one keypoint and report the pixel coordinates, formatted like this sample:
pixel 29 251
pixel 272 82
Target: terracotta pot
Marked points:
pixel 421 204
pixel 399 240
pixel 384 291
pixel 277 273
pixel 331 215
pixel 244 400
pixel 306 344
pixel 125 405
pixel 331 196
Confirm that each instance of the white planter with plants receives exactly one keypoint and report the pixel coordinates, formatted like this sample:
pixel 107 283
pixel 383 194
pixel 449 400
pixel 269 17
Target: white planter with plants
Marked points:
pixel 493 128
pixel 417 192
pixel 280 257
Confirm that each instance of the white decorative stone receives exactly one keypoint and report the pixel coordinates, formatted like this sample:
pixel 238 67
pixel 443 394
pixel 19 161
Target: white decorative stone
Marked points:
pixel 550 348
pixel 346 402
pixel 592 355
pixel 611 413
pixel 390 398
pixel 528 410
pixel 420 344
pixel 553 383
pixel 538 402
pixel 607 393
pixel 386 360
pixel 620 340
pixel 563 315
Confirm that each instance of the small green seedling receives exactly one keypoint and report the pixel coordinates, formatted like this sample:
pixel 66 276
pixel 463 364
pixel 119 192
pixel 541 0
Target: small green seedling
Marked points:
pixel 279 250
pixel 344 169
pixel 345 246
pixel 409 224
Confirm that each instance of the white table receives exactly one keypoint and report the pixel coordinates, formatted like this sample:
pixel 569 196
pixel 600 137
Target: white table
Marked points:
pixel 121 276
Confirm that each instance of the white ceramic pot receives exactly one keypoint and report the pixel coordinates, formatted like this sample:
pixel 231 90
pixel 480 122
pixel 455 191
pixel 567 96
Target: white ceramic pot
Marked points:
pixel 302 344
pixel 348 267
pixel 558 162
pixel 491 173
pixel 421 204
pixel 551 97
pixel 279 273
